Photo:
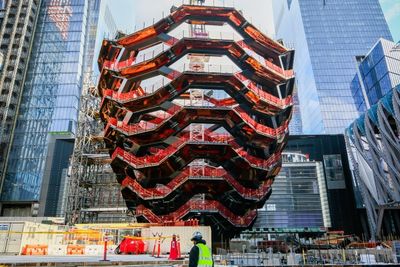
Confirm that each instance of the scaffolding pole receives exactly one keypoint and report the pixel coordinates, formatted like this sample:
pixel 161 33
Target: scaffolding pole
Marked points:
pixel 93 192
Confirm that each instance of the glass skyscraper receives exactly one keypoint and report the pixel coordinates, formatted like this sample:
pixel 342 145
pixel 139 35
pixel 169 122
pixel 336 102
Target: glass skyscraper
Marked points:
pixel 373 138
pixel 378 73
pixel 49 105
pixel 328 36
pixel 295 125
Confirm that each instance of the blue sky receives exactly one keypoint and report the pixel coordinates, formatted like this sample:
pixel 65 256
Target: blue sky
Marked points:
pixel 124 13
pixel 391 9
pixel 145 12
pixel 139 11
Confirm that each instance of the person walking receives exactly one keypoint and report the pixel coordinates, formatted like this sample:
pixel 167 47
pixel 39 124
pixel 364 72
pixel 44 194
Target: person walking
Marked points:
pixel 200 255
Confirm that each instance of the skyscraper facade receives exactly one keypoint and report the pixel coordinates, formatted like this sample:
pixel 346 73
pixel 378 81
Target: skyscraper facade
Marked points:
pixel 92 193
pixel 328 35
pixel 2 11
pixel 17 25
pixel 377 74
pixel 47 117
pixel 313 189
pixel 330 150
pixel 373 138
pixel 299 196
pixel 295 125
pixel 101 25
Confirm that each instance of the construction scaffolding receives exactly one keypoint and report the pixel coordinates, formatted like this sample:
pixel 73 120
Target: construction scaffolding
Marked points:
pixel 94 195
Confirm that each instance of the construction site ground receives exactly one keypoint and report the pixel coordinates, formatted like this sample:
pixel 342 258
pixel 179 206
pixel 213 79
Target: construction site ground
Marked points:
pixel 113 260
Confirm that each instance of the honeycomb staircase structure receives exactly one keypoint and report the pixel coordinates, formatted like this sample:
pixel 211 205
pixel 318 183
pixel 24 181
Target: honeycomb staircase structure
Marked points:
pixel 169 171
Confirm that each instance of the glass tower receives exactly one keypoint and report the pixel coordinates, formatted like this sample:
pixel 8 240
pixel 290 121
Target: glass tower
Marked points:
pixel 373 138
pixel 327 36
pixel 50 100
pixel 17 24
pixel 378 73
pixel 295 125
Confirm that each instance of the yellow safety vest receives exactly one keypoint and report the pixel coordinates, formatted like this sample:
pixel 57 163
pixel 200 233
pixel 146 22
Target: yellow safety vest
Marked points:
pixel 205 258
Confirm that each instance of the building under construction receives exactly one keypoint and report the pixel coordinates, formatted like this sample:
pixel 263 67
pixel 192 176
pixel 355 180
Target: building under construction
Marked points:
pixel 189 138
pixel 195 121
pixel 93 193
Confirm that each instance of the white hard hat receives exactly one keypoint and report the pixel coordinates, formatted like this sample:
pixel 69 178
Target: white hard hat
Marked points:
pixel 197 236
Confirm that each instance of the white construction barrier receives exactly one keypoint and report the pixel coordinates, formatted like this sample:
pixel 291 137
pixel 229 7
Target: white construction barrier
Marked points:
pixel 94 250
pixel 57 250
pixel 110 249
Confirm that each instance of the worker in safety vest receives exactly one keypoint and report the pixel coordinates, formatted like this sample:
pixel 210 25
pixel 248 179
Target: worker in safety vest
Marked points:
pixel 200 255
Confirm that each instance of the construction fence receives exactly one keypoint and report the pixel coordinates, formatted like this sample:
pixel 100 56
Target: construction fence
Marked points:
pixel 32 238
pixel 310 257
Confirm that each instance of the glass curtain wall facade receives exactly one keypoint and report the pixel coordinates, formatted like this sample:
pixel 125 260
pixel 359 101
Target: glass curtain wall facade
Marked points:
pixel 373 138
pixel 313 189
pixel 102 201
pixel 295 125
pixel 330 150
pixel 327 37
pixel 91 32
pixel 377 74
pixel 101 24
pixel 16 30
pixel 299 196
pixel 373 141
pixel 50 98
pixel 106 28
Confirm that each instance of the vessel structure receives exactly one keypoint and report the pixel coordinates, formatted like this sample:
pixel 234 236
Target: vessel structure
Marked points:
pixel 190 136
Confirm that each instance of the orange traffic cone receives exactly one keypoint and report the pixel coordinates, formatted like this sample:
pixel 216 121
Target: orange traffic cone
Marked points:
pixel 173 252
pixel 178 245
pixel 159 247
pixel 154 248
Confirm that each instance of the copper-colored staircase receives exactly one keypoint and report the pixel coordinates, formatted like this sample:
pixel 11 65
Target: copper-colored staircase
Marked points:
pixel 162 167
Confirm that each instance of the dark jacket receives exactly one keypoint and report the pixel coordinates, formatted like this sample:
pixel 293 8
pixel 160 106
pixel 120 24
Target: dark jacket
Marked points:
pixel 194 254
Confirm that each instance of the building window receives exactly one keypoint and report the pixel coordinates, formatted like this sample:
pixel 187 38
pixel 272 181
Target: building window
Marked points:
pixel 271 207
pixel 334 171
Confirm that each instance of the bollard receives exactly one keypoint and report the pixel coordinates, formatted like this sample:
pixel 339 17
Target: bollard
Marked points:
pixel 154 248
pixel 158 248
pixel 178 240
pixel 105 249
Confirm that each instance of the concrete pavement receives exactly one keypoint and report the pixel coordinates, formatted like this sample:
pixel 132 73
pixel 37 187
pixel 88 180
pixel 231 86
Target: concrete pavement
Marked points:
pixel 73 260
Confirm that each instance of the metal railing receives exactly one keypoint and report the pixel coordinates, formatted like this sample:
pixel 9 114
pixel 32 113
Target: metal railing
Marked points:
pixel 215 3
pixel 209 68
pixel 164 154
pixel 198 172
pixel 198 206
pixel 145 91
pixel 162 118
pixel 161 48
